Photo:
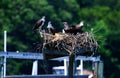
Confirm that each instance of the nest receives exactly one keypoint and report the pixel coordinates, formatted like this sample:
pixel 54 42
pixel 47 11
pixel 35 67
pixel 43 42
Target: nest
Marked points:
pixel 70 42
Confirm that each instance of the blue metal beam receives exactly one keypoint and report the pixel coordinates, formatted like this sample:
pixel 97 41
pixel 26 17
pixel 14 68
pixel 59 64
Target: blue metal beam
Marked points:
pixel 39 56
pixel 22 55
pixel 84 58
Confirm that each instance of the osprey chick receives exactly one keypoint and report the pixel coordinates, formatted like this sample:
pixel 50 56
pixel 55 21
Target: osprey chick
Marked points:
pixel 67 27
pixel 50 28
pixel 73 29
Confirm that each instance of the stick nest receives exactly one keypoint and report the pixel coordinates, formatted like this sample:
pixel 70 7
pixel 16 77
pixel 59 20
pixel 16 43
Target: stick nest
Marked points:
pixel 69 42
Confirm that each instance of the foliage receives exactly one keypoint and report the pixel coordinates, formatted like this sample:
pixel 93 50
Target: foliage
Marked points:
pixel 19 16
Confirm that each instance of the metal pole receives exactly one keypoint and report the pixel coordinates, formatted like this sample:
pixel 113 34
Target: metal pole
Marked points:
pixel 95 69
pixel 5 50
pixel 35 68
pixel 100 69
pixel 5 41
pixel 81 65
pixel 1 67
pixel 65 67
pixel 71 66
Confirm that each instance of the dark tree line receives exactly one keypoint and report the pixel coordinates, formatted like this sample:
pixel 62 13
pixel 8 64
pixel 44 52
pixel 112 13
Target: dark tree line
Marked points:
pixel 19 16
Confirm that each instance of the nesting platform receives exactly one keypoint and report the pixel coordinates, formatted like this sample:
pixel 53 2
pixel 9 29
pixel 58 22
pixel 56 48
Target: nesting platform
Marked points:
pixel 62 44
pixel 66 44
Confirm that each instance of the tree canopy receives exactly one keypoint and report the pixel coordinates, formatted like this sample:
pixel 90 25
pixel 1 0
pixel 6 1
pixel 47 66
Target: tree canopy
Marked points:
pixel 18 17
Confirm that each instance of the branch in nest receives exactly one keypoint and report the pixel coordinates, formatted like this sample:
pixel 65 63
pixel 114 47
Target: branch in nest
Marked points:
pixel 69 42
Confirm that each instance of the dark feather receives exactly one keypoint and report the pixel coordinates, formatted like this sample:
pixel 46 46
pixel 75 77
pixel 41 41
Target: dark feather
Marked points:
pixel 73 29
pixel 38 24
pixel 52 31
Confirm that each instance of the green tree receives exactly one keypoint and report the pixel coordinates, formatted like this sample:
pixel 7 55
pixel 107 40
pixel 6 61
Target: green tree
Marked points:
pixel 18 17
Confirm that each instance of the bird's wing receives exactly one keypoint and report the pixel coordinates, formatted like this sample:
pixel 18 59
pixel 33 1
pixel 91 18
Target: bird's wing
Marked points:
pixel 50 26
pixel 80 24
pixel 37 24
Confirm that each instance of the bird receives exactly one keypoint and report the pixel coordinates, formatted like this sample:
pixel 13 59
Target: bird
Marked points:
pixel 38 25
pixel 67 27
pixel 79 27
pixel 73 29
pixel 50 28
pixel 81 24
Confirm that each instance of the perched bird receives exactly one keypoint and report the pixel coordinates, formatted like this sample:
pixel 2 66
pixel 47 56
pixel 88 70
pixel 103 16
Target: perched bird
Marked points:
pixel 73 29
pixel 81 24
pixel 67 27
pixel 50 28
pixel 38 25
pixel 79 27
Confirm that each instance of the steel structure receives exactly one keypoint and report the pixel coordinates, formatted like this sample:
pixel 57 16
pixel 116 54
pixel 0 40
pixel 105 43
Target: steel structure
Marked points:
pixel 84 58
pixel 28 55
pixel 38 56
pixel 22 55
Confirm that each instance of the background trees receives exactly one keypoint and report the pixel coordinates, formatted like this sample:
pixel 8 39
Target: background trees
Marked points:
pixel 18 18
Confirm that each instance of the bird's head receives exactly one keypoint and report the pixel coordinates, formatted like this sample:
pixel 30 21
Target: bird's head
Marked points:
pixel 49 22
pixel 81 23
pixel 50 25
pixel 65 25
pixel 43 18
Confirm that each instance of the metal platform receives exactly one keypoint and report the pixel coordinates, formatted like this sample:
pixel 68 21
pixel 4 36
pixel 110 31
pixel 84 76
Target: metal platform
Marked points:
pixel 45 76
pixel 85 58
pixel 39 56
pixel 22 55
